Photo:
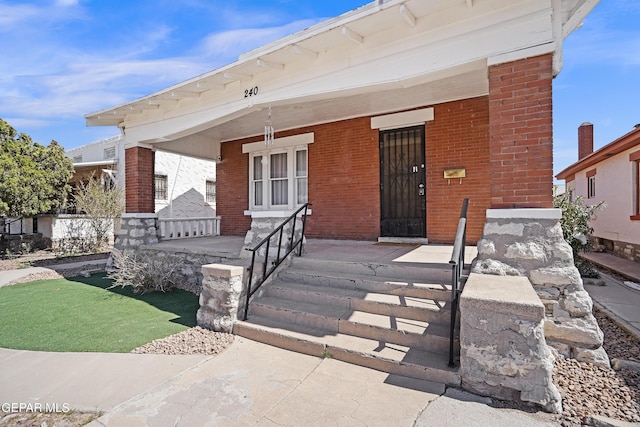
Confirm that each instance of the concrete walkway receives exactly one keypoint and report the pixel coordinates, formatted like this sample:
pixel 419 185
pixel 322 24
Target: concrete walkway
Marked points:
pixel 621 302
pixel 255 384
pixel 249 384
pixel 9 276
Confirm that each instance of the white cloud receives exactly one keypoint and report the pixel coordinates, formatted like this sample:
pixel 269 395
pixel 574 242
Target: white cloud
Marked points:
pixel 238 41
pixel 13 16
pixel 66 3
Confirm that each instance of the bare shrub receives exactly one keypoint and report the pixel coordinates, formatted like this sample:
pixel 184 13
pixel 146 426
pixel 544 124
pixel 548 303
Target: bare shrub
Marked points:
pixel 142 273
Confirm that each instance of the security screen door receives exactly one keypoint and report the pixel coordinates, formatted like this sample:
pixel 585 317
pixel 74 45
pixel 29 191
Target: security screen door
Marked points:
pixel 402 183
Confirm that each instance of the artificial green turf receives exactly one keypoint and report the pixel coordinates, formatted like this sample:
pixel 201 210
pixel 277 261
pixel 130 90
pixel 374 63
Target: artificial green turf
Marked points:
pixel 80 314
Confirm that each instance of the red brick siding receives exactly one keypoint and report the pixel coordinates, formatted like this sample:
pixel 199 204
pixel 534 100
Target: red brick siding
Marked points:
pixel 343 182
pixel 139 180
pixel 521 134
pixel 232 187
pixel 344 175
pixel 458 138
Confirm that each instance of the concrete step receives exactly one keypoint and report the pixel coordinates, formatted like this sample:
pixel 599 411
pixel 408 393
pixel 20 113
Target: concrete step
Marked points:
pixel 438 289
pixel 343 318
pixel 408 307
pixel 376 354
pixel 407 271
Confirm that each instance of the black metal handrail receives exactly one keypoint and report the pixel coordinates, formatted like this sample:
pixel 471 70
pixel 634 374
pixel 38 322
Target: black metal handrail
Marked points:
pixel 293 244
pixel 457 265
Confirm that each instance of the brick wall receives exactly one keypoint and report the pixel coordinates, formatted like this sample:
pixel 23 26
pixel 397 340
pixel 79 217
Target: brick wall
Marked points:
pixel 232 188
pixel 520 117
pixel 344 176
pixel 343 182
pixel 139 171
pixel 458 138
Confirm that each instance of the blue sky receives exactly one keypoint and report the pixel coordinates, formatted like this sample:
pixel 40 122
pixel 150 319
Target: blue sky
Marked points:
pixel 66 58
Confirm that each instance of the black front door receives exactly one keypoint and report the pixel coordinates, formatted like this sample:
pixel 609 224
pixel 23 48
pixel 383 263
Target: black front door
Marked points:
pixel 402 183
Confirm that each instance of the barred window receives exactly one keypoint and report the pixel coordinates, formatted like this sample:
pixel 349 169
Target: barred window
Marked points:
pixel 160 185
pixel 211 192
pixel 109 153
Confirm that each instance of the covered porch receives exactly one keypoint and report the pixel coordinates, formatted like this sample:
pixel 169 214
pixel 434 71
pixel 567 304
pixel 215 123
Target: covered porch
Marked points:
pixel 356 251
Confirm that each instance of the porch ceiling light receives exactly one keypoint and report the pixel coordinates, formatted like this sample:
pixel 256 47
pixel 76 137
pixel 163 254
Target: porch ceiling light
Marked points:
pixel 268 130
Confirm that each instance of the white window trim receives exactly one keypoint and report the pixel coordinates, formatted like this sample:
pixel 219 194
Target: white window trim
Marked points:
pixel 402 120
pixel 289 145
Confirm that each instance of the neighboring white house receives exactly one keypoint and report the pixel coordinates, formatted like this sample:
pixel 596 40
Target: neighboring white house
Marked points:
pixel 185 187
pixel 610 174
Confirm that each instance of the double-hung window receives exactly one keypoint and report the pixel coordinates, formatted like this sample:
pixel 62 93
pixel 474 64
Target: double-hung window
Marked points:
pixel 278 174
pixel 591 184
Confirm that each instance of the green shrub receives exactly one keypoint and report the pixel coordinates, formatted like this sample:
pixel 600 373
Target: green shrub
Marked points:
pixel 576 216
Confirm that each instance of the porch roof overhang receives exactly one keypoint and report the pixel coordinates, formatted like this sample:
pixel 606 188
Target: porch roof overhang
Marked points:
pixel 95 164
pixel 383 57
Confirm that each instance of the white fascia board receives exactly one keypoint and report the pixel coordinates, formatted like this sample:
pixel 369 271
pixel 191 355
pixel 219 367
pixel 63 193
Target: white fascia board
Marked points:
pixel 577 16
pixel 520 54
pixel 404 119
pixel 285 142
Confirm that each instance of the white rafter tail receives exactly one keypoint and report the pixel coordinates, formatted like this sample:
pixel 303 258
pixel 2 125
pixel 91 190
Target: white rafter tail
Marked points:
pixel 160 101
pixel 203 87
pixel 237 76
pixel 579 13
pixel 271 65
pixel 128 109
pixel 469 4
pixel 149 105
pixel 352 35
pixel 407 15
pixel 303 51
pixel 180 94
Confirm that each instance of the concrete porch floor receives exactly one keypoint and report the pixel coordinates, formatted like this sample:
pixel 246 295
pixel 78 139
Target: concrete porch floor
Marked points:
pixel 330 250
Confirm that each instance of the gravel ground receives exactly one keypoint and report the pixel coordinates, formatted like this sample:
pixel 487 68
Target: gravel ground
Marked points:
pixel 192 341
pixel 588 390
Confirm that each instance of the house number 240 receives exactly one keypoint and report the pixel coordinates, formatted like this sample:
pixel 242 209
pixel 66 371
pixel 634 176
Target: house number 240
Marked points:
pixel 251 92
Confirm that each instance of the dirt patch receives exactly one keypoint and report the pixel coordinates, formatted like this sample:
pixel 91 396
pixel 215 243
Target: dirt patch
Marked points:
pixel 47 419
pixel 45 258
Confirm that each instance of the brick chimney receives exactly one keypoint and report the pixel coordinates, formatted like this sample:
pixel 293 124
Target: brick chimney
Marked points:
pixel 585 140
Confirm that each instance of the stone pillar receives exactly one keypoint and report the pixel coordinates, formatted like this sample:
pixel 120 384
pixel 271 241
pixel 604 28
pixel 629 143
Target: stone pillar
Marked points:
pixel 529 242
pixel 521 133
pixel 139 180
pixel 261 227
pixel 221 297
pixel 503 352
pixel 136 229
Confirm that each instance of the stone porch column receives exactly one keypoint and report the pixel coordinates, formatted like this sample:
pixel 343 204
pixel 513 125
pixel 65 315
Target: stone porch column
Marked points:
pixel 529 242
pixel 139 224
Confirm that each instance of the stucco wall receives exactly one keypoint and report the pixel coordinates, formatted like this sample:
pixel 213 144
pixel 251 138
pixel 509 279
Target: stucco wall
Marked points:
pixel 186 186
pixel 614 185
